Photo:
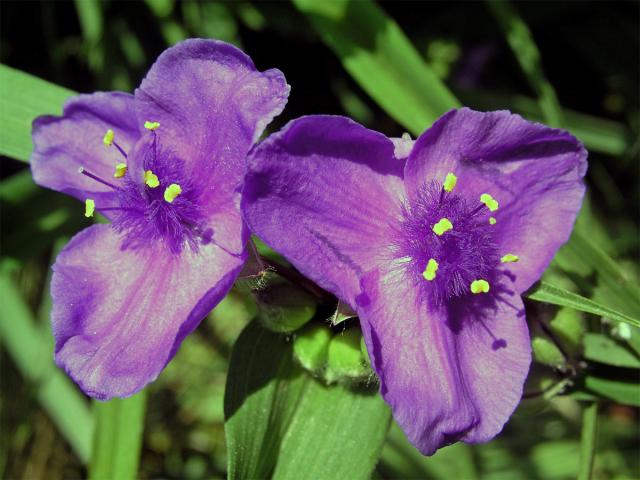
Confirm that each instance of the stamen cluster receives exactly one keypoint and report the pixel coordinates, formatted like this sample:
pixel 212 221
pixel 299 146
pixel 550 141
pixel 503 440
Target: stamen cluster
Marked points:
pixel 448 243
pixel 156 200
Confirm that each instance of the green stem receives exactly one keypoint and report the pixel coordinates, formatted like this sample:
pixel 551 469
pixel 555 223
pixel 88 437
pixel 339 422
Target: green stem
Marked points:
pixel 588 440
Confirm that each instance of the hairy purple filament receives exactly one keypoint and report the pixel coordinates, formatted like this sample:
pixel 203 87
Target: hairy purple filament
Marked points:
pixel 464 254
pixel 143 214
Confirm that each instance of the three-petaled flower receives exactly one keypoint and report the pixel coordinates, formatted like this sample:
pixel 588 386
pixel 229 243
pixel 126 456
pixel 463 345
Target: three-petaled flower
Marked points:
pixel 164 165
pixel 432 242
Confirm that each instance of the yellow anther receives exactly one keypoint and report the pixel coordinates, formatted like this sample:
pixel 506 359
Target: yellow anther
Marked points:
pixel 431 269
pixel 151 125
pixel 108 138
pixel 443 225
pixel 121 169
pixel 489 202
pixel 492 220
pixel 510 258
pixel 479 286
pixel 172 191
pixel 89 207
pixel 151 179
pixel 450 182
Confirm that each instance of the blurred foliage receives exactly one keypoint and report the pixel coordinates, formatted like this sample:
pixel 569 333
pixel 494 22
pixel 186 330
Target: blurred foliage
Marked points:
pixel 574 64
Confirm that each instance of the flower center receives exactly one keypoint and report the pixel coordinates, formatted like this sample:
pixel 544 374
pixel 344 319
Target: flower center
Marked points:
pixel 155 199
pixel 448 241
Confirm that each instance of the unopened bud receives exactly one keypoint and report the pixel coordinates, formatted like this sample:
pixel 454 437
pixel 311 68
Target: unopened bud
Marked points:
pixel 546 352
pixel 285 308
pixel 345 360
pixel 568 327
pixel 311 346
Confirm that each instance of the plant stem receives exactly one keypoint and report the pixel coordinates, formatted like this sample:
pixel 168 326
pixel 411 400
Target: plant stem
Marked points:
pixel 588 440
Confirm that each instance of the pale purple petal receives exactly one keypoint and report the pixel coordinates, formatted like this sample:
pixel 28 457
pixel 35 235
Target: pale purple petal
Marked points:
pixel 450 372
pixel 120 315
pixel 221 107
pixel 64 144
pixel 324 192
pixel 533 171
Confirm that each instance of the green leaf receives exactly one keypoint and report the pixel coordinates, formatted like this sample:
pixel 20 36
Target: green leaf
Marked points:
pixel 329 417
pixel 526 52
pixel 588 441
pixel 263 388
pixel 614 287
pixel 379 56
pixel 30 351
pixel 118 437
pixel 23 97
pixel 603 349
pixel 544 292
pixel 282 424
pixel 621 391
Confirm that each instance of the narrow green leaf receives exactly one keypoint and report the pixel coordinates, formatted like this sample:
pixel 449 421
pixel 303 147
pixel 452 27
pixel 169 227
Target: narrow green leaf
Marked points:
pixel 626 392
pixel 17 188
pixel 90 17
pixel 544 292
pixel 379 56
pixel 118 437
pixel 603 349
pixel 588 440
pixel 614 287
pixel 23 97
pixel 526 52
pixel 31 353
pixel 282 424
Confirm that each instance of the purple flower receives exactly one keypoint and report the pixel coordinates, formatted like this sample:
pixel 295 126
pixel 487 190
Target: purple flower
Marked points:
pixel 164 166
pixel 432 243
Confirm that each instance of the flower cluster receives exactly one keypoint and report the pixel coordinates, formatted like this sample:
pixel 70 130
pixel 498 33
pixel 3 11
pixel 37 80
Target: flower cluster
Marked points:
pixel 431 242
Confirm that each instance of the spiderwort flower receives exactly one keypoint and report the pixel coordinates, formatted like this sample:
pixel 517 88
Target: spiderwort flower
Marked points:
pixel 164 165
pixel 432 242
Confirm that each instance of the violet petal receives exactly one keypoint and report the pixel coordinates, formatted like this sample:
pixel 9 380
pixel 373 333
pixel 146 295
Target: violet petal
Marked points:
pixel 321 192
pixel 120 315
pixel 64 144
pixel 449 373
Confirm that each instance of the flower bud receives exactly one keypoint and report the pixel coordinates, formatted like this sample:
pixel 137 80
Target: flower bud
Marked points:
pixel 546 352
pixel 311 346
pixel 285 308
pixel 568 327
pixel 345 359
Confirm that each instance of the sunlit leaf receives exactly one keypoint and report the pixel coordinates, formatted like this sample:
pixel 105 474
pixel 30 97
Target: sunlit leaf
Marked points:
pixel 30 351
pixel 118 437
pixel 603 349
pixel 283 424
pixel 23 97
pixel 544 292
pixel 378 55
